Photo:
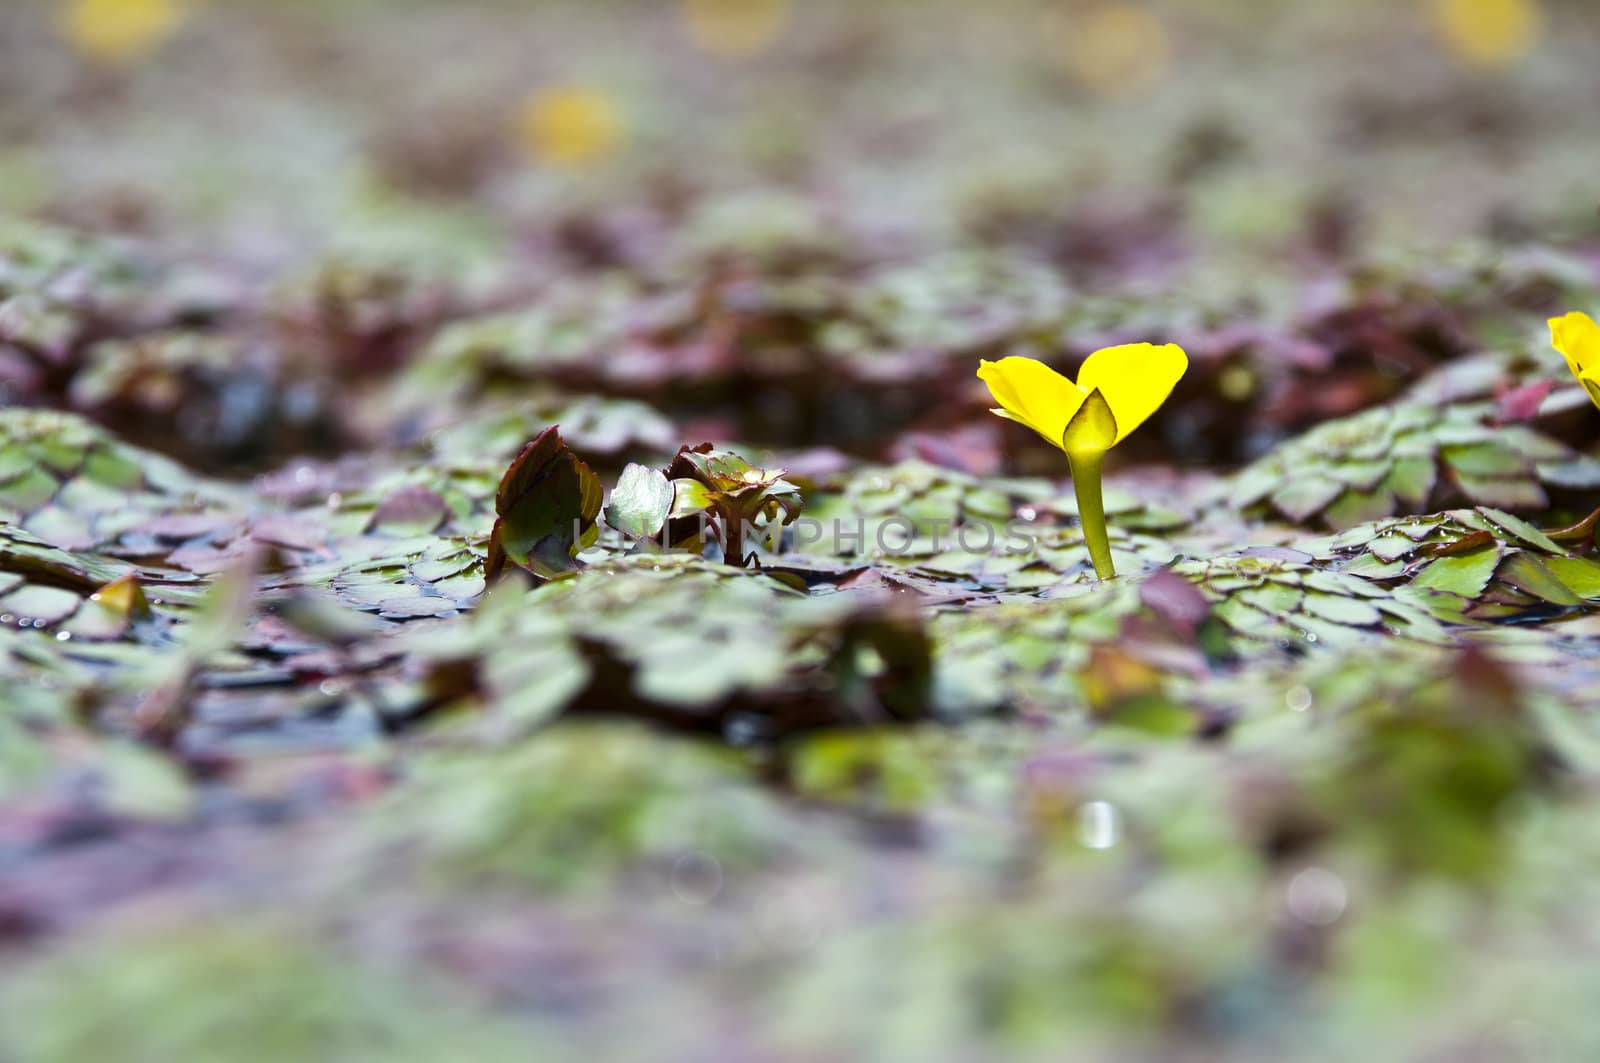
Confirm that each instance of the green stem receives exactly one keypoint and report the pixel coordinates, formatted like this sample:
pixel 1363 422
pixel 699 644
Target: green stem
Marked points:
pixel 1085 466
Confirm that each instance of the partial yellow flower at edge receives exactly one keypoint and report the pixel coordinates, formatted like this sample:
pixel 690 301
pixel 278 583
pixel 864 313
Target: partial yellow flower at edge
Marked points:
pixel 1577 337
pixel 1489 33
pixel 570 125
pixel 735 29
pixel 120 31
pixel 1134 379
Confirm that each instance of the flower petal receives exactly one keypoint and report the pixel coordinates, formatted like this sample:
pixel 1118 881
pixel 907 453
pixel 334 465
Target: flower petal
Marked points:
pixel 1135 379
pixel 1033 394
pixel 1578 338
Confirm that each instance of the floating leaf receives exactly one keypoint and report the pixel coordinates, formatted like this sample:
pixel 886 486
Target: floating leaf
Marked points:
pixel 1403 457
pixel 1581 575
pixel 1464 574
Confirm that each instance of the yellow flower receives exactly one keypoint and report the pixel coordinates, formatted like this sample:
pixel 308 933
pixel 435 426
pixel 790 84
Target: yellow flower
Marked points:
pixel 1117 390
pixel 1135 380
pixel 1577 337
pixel 119 31
pixel 1489 33
pixel 570 126
pixel 1116 49
pixel 735 29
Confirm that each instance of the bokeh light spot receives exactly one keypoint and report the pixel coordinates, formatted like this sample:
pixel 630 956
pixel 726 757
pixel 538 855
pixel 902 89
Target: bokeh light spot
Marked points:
pixel 1117 49
pixel 1099 824
pixel 735 29
pixel 1317 897
pixel 571 126
pixel 1489 33
pixel 120 31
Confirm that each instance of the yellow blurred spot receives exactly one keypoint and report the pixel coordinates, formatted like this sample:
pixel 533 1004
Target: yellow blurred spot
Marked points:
pixel 120 31
pixel 1489 33
pixel 735 29
pixel 1236 383
pixel 1117 49
pixel 570 125
pixel 1115 677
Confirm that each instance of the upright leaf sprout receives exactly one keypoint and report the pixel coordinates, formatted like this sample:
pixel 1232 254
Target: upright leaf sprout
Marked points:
pixel 1117 390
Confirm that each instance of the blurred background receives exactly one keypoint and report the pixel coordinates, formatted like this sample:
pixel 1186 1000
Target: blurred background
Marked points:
pixel 1159 134
pixel 363 250
pixel 684 195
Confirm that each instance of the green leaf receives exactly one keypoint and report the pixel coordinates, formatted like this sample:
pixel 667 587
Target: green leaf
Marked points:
pixel 1523 530
pixel 1529 574
pixel 1411 480
pixel 1464 574
pixel 547 504
pixel 640 502
pixel 1305 497
pixel 1156 715
pixel 1252 485
pixel 1362 475
pixel 1369 566
pixel 1488 460
pixel 1349 611
pixel 1513 493
pixel 1358 507
pixel 1579 574
pixel 1579 473
pixel 1387 548
pixel 42 605
pixel 1276 599
pixel 690 497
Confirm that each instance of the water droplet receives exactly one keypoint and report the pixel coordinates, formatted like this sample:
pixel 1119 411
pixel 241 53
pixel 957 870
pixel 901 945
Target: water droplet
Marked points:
pixel 1298 698
pixel 1311 636
pixel 1099 823
pixel 696 878
pixel 63 636
pixel 1317 897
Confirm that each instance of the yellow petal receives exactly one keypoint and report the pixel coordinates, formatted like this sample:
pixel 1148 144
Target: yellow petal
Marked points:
pixel 1135 379
pixel 1031 393
pixel 1578 338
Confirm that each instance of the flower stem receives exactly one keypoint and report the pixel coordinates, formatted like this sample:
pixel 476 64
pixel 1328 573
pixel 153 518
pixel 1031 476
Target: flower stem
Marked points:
pixel 1085 465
